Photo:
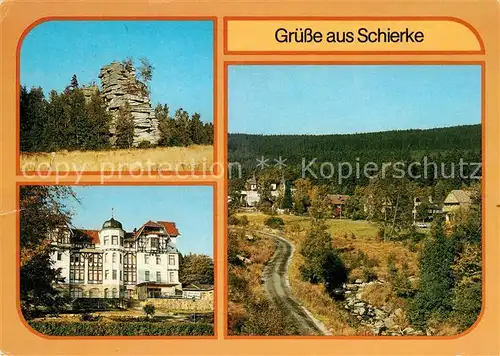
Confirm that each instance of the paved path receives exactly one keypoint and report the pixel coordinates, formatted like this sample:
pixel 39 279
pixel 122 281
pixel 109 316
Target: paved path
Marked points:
pixel 277 285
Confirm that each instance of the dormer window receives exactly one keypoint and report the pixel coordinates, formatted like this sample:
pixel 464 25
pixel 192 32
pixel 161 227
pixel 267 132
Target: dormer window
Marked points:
pixel 154 243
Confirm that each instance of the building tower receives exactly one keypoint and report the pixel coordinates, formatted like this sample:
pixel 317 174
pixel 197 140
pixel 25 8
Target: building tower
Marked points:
pixel 111 237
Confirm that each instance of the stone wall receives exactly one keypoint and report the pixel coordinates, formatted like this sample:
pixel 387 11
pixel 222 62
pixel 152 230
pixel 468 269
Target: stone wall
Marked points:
pixel 119 86
pixel 205 304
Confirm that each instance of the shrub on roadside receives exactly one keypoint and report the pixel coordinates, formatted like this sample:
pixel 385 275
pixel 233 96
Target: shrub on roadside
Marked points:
pixel 275 222
pixel 266 319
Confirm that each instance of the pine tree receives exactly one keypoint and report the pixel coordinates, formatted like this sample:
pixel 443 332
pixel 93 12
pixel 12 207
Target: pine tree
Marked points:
pixel 99 121
pixel 74 82
pixel 80 128
pixel 433 299
pixel 33 108
pixel 196 129
pixel 181 119
pixel 287 197
pixel 124 128
pixel 164 124
pixel 146 70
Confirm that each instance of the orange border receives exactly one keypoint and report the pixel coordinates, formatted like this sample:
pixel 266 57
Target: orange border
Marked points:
pixel 482 64
pixel 214 223
pixel 352 18
pixel 121 18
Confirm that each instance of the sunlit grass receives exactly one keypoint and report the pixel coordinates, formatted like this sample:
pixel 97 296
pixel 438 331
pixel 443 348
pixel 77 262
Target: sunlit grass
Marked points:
pixel 192 158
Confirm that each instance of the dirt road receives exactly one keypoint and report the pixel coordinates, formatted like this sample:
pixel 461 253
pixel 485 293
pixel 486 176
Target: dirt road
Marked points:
pixel 277 286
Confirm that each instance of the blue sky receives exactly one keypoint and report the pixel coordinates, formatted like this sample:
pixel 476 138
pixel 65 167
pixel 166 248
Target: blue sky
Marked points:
pixel 180 51
pixel 323 99
pixel 190 207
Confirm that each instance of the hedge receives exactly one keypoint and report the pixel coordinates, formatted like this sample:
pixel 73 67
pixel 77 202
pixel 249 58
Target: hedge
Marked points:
pixel 95 328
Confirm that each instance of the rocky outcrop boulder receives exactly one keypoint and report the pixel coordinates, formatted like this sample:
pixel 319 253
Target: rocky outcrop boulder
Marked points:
pixel 119 86
pixel 381 321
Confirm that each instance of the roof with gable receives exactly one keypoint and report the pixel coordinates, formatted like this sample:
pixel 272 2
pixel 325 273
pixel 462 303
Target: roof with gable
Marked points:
pixel 461 196
pixel 92 234
pixel 338 199
pixel 169 227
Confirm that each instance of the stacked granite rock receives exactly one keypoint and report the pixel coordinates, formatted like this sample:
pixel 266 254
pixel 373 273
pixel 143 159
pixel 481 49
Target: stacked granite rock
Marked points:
pixel 119 86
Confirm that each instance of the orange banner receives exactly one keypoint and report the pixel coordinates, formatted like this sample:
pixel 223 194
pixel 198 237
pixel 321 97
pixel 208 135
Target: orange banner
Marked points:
pixel 371 35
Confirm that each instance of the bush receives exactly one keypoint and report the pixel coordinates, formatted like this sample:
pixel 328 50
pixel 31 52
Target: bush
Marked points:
pixel 265 319
pixel 369 274
pixel 144 144
pixel 244 221
pixel 233 220
pixel 89 317
pixel 275 222
pixel 144 328
pixel 149 310
pixel 467 304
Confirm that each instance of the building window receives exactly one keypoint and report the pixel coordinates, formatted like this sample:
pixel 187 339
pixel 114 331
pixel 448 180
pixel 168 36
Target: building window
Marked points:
pixel 154 243
pixel 106 292
pixel 95 268
pixel 146 259
pixel 106 257
pixel 129 268
pixel 59 256
pixel 106 240
pixel 172 276
pixel 76 293
pixel 121 241
pixel 158 276
pixel 121 275
pixel 114 240
pixel 114 257
pixel 76 268
pixel 158 260
pixel 114 275
pixel 171 260
pixel 146 276
pixel 120 258
pixel 115 293
pixel 106 274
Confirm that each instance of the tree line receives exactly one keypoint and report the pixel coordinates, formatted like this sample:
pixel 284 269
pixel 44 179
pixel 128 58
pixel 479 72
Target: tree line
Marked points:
pixel 429 150
pixel 69 121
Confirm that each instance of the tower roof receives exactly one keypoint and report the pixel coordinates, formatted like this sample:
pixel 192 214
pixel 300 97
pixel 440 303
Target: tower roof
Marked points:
pixel 112 224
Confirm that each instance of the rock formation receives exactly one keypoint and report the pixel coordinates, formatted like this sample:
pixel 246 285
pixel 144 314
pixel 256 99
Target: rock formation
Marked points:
pixel 119 86
pixel 382 321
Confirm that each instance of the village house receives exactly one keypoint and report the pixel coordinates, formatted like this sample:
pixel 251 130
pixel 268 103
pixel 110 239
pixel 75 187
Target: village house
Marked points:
pixel 114 263
pixel 338 202
pixel 251 196
pixel 431 208
pixel 455 200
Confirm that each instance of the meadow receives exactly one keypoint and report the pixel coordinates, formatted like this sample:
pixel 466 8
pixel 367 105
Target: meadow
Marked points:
pixel 176 159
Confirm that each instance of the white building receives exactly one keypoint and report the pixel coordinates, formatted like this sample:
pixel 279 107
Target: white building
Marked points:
pixel 113 263
pixel 251 196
